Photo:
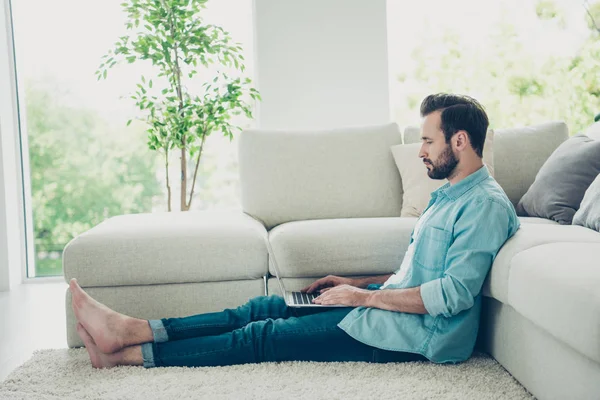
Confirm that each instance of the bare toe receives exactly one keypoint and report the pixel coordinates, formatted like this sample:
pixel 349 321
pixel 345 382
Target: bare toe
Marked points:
pixel 98 359
pixel 77 294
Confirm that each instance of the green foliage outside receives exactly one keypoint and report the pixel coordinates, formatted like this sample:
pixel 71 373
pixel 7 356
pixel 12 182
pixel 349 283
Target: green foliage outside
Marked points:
pixel 82 172
pixel 516 87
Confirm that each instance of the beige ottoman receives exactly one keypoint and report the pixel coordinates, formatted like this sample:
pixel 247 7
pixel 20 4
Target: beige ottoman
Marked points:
pixel 161 265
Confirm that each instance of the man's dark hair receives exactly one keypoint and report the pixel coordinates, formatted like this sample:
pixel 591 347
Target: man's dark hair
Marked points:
pixel 459 112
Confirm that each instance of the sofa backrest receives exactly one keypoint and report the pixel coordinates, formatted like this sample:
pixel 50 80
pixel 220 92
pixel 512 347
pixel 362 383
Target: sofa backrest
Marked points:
pixel 300 175
pixel 519 153
pixel 593 131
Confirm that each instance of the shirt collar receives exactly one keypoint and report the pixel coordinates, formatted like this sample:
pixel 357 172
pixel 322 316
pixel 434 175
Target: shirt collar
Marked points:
pixel 457 190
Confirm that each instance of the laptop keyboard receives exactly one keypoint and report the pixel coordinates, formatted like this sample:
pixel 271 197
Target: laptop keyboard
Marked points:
pixel 304 298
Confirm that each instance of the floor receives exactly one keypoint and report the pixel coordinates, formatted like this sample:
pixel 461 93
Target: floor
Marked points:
pixel 32 317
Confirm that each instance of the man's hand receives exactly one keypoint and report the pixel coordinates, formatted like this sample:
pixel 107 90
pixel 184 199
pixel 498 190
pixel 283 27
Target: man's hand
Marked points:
pixel 344 295
pixel 327 282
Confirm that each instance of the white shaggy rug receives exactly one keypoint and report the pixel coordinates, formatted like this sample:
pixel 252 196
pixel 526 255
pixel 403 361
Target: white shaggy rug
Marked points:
pixel 67 374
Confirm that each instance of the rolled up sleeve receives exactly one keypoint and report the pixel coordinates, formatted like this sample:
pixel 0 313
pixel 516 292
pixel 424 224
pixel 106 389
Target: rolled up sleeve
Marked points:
pixel 478 236
pixel 433 297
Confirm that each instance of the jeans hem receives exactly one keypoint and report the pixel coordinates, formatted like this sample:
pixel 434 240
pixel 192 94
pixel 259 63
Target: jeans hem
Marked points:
pixel 158 331
pixel 148 355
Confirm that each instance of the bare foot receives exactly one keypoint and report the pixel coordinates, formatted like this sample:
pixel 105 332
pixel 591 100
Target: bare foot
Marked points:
pixel 107 328
pixel 99 359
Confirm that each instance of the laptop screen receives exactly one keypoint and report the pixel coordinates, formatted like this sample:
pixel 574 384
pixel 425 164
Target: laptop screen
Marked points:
pixel 275 266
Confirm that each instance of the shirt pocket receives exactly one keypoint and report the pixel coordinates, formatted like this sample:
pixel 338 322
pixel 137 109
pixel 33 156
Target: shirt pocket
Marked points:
pixel 431 248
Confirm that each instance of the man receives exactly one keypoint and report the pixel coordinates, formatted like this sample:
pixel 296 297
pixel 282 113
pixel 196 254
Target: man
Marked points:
pixel 429 309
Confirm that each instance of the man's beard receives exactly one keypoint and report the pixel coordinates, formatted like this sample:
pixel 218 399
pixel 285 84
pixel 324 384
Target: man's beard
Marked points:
pixel 444 166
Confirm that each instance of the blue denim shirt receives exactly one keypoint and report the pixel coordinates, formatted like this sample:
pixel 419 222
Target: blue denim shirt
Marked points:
pixel 453 254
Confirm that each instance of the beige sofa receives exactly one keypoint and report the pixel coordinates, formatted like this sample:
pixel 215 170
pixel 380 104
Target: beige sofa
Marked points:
pixel 329 202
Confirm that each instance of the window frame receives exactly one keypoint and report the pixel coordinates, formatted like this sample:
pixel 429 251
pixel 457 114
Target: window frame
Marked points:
pixel 14 129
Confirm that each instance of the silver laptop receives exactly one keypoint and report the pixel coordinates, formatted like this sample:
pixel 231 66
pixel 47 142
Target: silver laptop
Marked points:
pixel 295 299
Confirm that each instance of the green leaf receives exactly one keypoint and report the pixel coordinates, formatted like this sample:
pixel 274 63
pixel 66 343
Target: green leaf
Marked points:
pixel 104 74
pixel 128 122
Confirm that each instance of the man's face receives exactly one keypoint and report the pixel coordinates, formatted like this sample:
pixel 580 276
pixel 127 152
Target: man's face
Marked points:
pixel 437 155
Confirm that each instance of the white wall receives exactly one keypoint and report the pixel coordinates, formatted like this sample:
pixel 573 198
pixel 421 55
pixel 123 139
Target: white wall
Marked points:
pixel 321 63
pixel 4 274
pixel 12 248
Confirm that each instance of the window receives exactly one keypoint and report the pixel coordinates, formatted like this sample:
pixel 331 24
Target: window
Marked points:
pixel 526 61
pixel 86 164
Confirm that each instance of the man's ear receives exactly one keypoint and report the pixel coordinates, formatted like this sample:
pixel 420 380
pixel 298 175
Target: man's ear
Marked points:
pixel 461 140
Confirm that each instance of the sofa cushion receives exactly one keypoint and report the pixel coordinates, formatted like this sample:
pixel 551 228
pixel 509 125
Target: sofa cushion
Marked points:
pixel 593 131
pixel 302 175
pixel 588 214
pixel 365 246
pixel 536 220
pixel 529 236
pixel 519 153
pixel 159 248
pixel 562 181
pixel 416 184
pixel 556 287
pixel 412 134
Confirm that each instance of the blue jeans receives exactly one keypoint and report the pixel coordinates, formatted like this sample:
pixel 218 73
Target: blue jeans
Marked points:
pixel 264 329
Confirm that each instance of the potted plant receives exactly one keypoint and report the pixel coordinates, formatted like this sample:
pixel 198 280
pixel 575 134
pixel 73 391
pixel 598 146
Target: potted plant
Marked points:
pixel 171 35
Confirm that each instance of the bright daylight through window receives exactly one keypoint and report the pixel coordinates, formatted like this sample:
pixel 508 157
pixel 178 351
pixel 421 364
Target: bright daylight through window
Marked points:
pixel 86 163
pixel 527 61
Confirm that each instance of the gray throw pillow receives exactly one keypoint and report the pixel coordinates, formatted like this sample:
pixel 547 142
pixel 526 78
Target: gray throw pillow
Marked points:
pixel 588 214
pixel 561 183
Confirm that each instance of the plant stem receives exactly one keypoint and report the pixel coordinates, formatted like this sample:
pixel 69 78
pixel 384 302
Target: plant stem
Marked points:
pixel 178 88
pixel 183 179
pixel 585 5
pixel 183 141
pixel 168 186
pixel 196 171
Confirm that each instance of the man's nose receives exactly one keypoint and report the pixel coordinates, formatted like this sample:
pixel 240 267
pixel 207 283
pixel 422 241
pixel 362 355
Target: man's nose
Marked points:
pixel 422 152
